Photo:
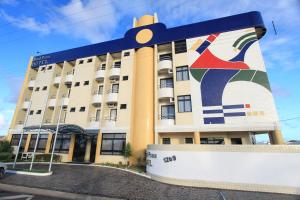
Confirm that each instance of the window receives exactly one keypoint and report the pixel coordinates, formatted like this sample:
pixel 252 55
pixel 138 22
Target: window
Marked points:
pixel 97 115
pixel 90 60
pixel 113 143
pixel 50 67
pixel 236 140
pixel 41 146
pixel 100 89
pixel 117 64
pixel 167 56
pixel 103 66
pixel 82 109
pixel 72 109
pixel 77 84
pixel 182 73
pixel 32 142
pixel 180 46
pixel 38 112
pixel 184 103
pixel 80 61
pixel 115 88
pixel 127 53
pixel 43 69
pixel 62 143
pixel 188 140
pixel 168 112
pixel 123 106
pixel 212 140
pixel 113 114
pixel 166 83
pixel 166 141
pixel 31 112
pixel 37 89
pixel 86 83
pixel 45 88
pixel 125 78
pixel 15 141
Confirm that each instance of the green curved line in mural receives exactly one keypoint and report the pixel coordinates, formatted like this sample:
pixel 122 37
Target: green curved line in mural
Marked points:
pixel 198 73
pixel 246 41
pixel 243 37
pixel 255 76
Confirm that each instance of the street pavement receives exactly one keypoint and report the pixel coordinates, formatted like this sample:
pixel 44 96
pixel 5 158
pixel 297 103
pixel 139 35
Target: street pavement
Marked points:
pixel 4 195
pixel 114 183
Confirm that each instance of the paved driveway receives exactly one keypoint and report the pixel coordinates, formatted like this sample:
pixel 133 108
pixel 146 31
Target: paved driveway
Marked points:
pixel 120 184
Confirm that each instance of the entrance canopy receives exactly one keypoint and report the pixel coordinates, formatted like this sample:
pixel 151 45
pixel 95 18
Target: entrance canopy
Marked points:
pixel 62 129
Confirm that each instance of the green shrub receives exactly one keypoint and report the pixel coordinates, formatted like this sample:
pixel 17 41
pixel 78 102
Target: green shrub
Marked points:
pixel 6 156
pixel 5 147
pixel 47 157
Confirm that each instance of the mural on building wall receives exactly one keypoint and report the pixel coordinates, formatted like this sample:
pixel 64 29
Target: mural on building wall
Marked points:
pixel 214 73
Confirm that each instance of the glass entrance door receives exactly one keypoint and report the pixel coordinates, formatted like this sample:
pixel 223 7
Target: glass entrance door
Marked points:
pixel 79 148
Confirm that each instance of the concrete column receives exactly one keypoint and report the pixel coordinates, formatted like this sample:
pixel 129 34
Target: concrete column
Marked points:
pixel 8 137
pixel 71 148
pixel 98 147
pixel 88 150
pixel 143 92
pixel 276 137
pixel 197 137
pixel 48 145
pixel 27 142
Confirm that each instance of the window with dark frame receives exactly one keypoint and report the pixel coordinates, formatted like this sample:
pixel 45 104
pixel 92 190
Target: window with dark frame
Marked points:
pixel 123 106
pixel 90 60
pixel 125 78
pixel 15 141
pixel 45 88
pixel 180 46
pixel 38 112
pixel 50 67
pixel 167 56
pixel 127 53
pixel 117 64
pixel 31 112
pixel 113 143
pixel 167 112
pixel 166 83
pixel 115 88
pixel 103 66
pixel 82 109
pixel 72 109
pixel 41 146
pixel 80 61
pixel 166 141
pixel 43 69
pixel 184 103
pixel 62 143
pixel 86 83
pixel 37 89
pixel 77 84
pixel 189 140
pixel 236 141
pixel 212 140
pixel 182 73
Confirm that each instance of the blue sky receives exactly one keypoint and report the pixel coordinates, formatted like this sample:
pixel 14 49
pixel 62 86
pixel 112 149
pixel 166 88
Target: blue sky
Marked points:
pixel 29 26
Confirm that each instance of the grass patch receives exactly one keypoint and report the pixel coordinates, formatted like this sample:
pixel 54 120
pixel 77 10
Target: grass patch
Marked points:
pixel 27 170
pixel 135 168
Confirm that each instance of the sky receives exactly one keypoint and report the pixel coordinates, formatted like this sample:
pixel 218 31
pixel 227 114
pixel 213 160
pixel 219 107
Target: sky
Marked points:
pixel 30 27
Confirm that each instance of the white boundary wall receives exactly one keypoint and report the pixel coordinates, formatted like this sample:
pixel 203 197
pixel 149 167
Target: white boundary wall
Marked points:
pixel 256 168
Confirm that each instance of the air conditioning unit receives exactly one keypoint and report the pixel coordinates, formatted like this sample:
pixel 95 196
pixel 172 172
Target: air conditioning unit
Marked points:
pixel 170 71
pixel 172 100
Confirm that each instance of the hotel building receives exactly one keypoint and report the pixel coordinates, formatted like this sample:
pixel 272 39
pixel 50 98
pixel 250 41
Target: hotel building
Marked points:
pixel 201 83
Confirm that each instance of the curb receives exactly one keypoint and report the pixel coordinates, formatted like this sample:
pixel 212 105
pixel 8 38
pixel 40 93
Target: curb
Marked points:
pixel 29 173
pixel 51 193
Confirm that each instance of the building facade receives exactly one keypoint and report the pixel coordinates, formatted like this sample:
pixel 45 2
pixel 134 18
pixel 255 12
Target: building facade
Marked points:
pixel 202 83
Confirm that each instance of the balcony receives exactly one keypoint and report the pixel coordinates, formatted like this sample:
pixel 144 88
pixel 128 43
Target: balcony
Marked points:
pixel 112 96
pixel 94 123
pixel 114 73
pixel 167 120
pixel 97 99
pixel 26 104
pixel 65 100
pixel 165 63
pixel 52 102
pixel 100 74
pixel 69 78
pixel 166 91
pixel 57 80
pixel 31 84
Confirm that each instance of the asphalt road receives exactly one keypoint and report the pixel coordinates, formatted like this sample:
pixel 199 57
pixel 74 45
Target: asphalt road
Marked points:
pixel 115 183
pixel 4 195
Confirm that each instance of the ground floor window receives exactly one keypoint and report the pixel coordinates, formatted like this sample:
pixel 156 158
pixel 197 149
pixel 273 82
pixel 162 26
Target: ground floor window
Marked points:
pixel 212 140
pixel 41 147
pixel 189 140
pixel 15 141
pixel 166 141
pixel 236 140
pixel 62 143
pixel 113 143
